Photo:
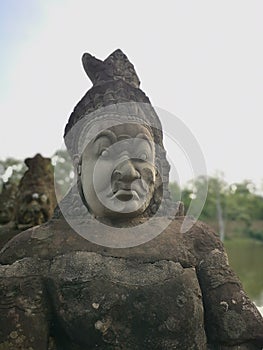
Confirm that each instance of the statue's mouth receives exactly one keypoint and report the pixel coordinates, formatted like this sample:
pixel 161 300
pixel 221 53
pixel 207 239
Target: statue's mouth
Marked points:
pixel 126 195
pixel 125 192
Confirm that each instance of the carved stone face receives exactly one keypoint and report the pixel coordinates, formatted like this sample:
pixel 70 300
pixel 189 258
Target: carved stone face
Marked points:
pixel 33 209
pixel 118 173
pixel 36 198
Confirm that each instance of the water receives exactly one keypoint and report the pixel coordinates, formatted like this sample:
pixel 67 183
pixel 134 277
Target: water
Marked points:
pixel 246 259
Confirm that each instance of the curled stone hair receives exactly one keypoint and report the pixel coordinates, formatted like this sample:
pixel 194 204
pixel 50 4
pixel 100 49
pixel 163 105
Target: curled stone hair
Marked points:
pixel 115 94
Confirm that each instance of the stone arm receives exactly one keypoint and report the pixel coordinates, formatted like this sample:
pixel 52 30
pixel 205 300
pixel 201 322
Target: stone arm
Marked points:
pixel 24 314
pixel 231 319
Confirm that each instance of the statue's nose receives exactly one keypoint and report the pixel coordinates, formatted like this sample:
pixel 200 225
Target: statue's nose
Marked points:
pixel 126 172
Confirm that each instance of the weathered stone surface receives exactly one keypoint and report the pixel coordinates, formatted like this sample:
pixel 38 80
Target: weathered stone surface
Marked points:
pixel 122 298
pixel 24 307
pixel 114 303
pixel 105 302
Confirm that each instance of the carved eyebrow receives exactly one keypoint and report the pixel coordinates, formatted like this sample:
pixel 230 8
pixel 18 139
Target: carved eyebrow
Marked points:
pixel 144 137
pixel 106 133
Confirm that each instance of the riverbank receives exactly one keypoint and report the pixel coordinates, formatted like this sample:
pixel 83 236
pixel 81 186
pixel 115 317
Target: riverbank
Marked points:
pixel 240 229
pixel 246 259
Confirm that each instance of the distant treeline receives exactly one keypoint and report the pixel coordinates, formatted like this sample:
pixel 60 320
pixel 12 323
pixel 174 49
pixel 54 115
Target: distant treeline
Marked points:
pixel 240 202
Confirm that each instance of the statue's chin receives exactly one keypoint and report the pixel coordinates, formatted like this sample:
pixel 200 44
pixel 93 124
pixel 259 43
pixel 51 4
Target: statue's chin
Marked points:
pixel 118 205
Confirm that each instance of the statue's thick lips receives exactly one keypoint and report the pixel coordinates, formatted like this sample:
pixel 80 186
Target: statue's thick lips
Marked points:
pixel 126 195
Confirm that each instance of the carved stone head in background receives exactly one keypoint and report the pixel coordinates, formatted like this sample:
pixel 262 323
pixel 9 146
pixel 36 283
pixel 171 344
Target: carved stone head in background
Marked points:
pixel 36 200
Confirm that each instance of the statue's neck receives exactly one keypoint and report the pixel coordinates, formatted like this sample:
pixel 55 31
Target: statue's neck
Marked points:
pixel 122 222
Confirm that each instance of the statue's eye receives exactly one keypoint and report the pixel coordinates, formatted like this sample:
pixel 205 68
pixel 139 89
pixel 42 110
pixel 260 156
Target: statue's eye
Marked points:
pixel 104 153
pixel 142 156
pixel 43 198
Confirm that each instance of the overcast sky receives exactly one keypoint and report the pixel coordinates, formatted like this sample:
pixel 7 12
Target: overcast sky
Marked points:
pixel 199 60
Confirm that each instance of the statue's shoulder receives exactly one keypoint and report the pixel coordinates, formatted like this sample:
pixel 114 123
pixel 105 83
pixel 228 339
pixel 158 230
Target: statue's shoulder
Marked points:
pixel 19 246
pixel 33 242
pixel 199 237
pixel 189 226
pixel 55 237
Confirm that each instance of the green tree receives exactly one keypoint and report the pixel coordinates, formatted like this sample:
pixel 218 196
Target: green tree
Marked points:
pixel 64 172
pixel 213 191
pixel 246 205
pixel 11 170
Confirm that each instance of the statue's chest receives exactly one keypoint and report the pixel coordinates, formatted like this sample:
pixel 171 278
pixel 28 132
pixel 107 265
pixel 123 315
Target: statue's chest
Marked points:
pixel 110 303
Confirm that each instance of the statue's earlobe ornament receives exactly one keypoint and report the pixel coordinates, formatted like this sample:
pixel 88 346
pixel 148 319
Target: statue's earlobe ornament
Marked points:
pixel 79 169
pixel 77 162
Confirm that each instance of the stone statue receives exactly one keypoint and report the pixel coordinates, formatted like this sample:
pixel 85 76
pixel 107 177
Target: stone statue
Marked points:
pixel 33 202
pixel 113 268
pixel 36 199
pixel 7 202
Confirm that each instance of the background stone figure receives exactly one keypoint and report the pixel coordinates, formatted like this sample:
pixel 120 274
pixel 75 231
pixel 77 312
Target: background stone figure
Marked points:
pixel 61 289
pixel 7 203
pixel 32 202
pixel 36 197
